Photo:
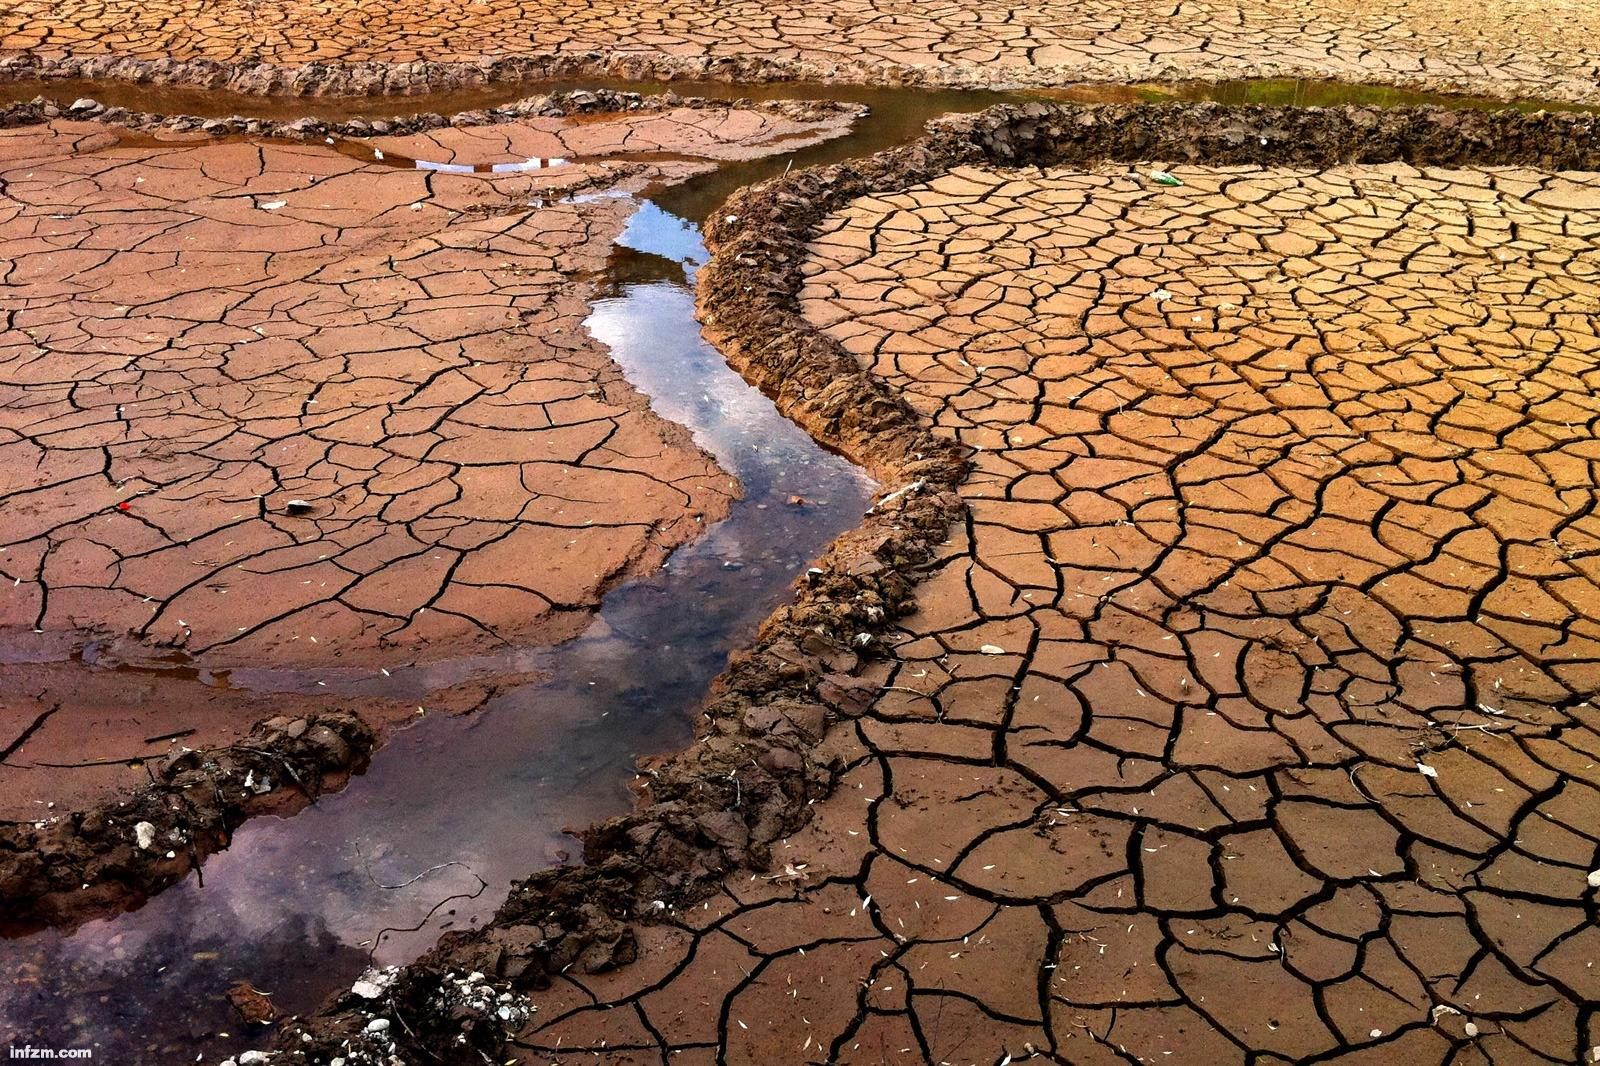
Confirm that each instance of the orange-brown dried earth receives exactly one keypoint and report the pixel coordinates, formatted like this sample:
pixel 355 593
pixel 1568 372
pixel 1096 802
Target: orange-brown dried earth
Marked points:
pixel 269 406
pixel 1516 45
pixel 1249 716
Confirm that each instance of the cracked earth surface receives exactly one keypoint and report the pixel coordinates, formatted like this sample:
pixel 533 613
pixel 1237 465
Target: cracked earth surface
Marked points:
pixel 198 333
pixel 1521 45
pixel 1248 718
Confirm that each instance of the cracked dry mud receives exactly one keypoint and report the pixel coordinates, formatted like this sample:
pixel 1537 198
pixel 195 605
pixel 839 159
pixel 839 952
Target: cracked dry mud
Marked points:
pixel 1518 45
pixel 197 333
pixel 1248 718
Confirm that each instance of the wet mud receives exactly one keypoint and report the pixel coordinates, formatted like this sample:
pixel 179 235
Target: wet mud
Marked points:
pixel 292 898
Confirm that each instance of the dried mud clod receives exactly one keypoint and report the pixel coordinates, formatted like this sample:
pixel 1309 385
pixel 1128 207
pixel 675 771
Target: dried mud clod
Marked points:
pixel 70 868
pixel 749 781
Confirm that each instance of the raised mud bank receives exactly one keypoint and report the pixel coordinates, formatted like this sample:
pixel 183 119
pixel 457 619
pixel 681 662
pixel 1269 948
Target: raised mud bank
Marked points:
pixel 66 869
pixel 543 105
pixel 749 780
pixel 377 78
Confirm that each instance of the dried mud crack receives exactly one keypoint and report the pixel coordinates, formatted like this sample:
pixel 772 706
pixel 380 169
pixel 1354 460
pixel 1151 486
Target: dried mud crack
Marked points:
pixel 279 419
pixel 1216 685
pixel 1521 47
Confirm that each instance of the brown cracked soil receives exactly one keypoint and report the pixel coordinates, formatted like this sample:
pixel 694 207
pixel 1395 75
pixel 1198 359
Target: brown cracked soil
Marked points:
pixel 1245 710
pixel 1246 716
pixel 279 422
pixel 1526 46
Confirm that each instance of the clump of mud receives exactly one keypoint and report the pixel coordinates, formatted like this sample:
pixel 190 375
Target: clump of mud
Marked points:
pixel 68 868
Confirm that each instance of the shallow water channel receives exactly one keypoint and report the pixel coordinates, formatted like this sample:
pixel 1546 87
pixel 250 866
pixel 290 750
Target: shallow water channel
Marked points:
pixel 453 809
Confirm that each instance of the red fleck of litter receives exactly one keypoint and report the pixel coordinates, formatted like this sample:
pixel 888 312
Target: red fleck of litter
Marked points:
pixel 123 506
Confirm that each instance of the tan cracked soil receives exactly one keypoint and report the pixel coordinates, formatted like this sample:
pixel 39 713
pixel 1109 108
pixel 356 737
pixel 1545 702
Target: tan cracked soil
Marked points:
pixel 1514 46
pixel 198 333
pixel 1248 719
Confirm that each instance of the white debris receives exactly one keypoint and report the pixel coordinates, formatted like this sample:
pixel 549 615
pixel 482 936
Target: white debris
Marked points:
pixel 378 1025
pixel 273 205
pixel 904 490
pixel 253 1058
pixel 1594 878
pixel 372 984
pixel 1426 771
pixel 992 649
pixel 144 834
pixel 1471 1029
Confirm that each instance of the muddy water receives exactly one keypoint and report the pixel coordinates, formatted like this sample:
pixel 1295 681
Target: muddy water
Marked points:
pixel 453 809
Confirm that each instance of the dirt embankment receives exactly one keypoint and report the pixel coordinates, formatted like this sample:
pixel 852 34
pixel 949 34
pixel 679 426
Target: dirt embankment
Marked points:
pixel 720 806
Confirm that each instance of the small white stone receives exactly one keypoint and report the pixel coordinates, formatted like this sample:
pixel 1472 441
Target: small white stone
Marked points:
pixel 273 205
pixel 992 649
pixel 1594 878
pixel 144 834
pixel 378 1025
pixel 1471 1029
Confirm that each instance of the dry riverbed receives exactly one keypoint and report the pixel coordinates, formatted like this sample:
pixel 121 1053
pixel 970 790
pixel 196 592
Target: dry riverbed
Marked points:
pixel 289 430
pixel 1246 712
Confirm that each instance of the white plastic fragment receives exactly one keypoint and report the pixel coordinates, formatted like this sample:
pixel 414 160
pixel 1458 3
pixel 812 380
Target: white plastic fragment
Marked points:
pixel 372 984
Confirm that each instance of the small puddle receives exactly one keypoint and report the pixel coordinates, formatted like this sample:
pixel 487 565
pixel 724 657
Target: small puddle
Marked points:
pixel 453 809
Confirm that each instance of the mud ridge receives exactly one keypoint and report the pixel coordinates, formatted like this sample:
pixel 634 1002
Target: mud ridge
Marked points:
pixel 750 778
pixel 88 863
pixel 380 78
pixel 550 105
